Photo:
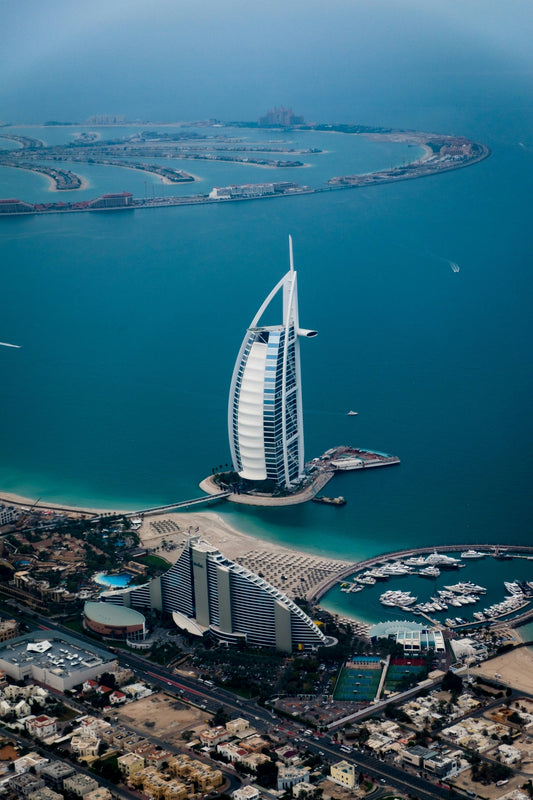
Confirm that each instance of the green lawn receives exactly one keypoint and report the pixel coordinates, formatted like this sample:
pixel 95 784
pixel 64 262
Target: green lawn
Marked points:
pixel 153 561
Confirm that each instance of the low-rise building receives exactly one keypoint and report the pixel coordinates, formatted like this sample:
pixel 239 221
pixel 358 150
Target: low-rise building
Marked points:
pixel 246 793
pixel 477 734
pixel 42 727
pixel 468 649
pixel 129 764
pixel 416 755
pixel 289 776
pixel 440 765
pixel 45 793
pixel 30 760
pixel 23 785
pixel 237 726
pixel 136 691
pixel 509 755
pixel 101 793
pixel 233 752
pixel 213 736
pixel 9 629
pixel 254 744
pixel 115 200
pixel 242 191
pixel 59 661
pixel 305 791
pixel 55 773
pixel 85 745
pixel 344 774
pixel 33 762
pixel 94 725
pixel 206 778
pixel 287 754
pixel 157 785
pixel 254 760
pixel 117 698
pixel 79 784
pixel 21 709
pixel 114 622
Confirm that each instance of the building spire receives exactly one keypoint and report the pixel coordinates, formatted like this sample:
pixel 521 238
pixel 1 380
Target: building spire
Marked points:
pixel 291 259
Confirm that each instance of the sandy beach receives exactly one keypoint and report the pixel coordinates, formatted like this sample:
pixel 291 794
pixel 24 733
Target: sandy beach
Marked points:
pixel 10 498
pixel 52 187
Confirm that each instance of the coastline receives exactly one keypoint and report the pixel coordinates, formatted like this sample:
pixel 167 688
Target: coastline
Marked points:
pixel 162 178
pixel 52 185
pixel 210 524
pixel 84 184
pixel 11 498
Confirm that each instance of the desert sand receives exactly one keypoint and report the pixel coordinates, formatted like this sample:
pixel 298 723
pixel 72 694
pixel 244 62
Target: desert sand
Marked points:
pixel 515 668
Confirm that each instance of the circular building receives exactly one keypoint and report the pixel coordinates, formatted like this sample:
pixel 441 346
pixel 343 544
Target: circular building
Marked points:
pixel 114 622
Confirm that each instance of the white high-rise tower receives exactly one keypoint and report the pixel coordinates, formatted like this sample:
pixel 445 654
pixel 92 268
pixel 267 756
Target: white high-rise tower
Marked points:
pixel 265 403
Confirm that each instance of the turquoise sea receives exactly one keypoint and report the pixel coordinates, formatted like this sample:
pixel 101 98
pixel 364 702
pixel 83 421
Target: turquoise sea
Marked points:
pixel 130 324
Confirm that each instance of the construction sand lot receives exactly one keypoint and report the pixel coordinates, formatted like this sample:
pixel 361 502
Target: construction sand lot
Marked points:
pixel 464 781
pixel 515 668
pixel 163 716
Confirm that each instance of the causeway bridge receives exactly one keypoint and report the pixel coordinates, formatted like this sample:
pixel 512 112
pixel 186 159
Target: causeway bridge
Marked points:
pixel 205 500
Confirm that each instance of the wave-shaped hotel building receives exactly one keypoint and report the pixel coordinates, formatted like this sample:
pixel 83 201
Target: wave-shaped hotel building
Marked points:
pixel 206 592
pixel 265 405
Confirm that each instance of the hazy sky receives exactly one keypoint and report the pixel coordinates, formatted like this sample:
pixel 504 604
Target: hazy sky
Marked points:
pixel 187 59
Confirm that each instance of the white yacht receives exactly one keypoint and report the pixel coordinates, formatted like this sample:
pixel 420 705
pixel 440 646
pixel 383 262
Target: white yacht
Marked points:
pixel 472 554
pixel 442 560
pixel 430 572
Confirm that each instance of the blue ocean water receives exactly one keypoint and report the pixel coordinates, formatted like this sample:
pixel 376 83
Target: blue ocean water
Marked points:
pixel 130 324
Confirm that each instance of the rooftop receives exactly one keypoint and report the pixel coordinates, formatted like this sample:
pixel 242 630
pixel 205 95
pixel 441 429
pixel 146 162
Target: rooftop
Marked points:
pixel 111 614
pixel 60 655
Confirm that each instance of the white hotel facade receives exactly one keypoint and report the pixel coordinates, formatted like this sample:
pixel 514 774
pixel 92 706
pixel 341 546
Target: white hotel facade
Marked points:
pixel 265 422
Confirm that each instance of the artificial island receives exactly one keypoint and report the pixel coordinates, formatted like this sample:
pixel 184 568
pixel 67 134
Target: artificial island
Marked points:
pixel 151 152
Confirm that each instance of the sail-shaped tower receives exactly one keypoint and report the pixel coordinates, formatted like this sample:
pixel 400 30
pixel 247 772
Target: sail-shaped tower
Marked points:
pixel 265 404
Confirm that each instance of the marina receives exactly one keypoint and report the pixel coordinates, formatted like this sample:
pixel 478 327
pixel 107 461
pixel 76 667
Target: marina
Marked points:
pixel 481 598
